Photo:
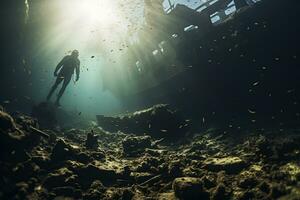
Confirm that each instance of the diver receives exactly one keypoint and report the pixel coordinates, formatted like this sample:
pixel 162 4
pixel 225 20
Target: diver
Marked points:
pixel 66 66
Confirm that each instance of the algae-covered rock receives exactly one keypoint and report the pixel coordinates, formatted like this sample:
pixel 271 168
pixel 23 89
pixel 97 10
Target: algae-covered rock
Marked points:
pixel 229 164
pixel 60 178
pixel 134 145
pixel 291 169
pixel 189 188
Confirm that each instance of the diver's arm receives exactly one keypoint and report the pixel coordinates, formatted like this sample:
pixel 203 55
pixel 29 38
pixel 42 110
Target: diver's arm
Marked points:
pixel 77 71
pixel 59 65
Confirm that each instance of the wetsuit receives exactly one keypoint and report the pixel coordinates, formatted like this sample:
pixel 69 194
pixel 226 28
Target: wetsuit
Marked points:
pixel 66 66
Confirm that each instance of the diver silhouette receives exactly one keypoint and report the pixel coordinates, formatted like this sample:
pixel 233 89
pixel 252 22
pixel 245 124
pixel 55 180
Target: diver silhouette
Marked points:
pixel 66 66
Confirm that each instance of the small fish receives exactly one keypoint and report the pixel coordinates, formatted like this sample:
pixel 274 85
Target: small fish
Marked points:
pixel 256 83
pixel 92 56
pixel 251 111
pixel 290 91
pixel 79 113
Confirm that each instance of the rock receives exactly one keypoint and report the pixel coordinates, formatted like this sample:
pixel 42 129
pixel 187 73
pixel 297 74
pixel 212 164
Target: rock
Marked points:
pixel 82 157
pixel 95 191
pixel 248 182
pixel 6 122
pixel 67 191
pixel 277 190
pixel 134 145
pixel 119 193
pixel 61 151
pixel 292 170
pixel 293 195
pixel 167 196
pixel 25 170
pixel 60 178
pixel 229 164
pixel 22 190
pixel 264 187
pixel 175 169
pixel 12 140
pixel 25 121
pixel 219 193
pixel 91 141
pixel 127 194
pixel 158 121
pixel 209 181
pixel 141 177
pixel 90 173
pixel 189 188
pixel 42 161
pixel 97 155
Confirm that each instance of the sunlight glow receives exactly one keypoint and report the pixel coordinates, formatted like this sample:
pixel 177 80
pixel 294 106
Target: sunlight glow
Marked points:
pixel 94 23
pixel 101 12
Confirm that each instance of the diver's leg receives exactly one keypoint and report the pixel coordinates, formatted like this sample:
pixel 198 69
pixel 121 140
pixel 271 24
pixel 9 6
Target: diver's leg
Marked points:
pixel 57 82
pixel 63 88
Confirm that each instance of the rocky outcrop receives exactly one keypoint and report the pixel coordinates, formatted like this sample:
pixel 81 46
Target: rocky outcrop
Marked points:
pixel 159 121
